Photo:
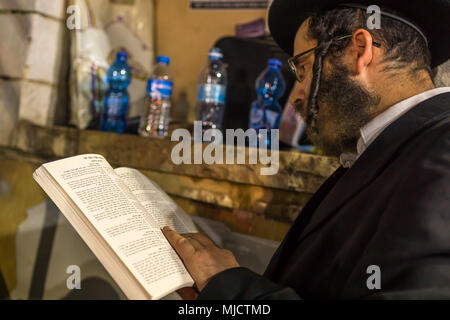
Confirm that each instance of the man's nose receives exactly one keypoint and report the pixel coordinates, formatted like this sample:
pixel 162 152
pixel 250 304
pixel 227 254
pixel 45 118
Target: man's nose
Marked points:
pixel 298 93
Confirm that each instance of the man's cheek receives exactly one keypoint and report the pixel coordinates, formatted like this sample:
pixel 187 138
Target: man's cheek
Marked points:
pixel 307 90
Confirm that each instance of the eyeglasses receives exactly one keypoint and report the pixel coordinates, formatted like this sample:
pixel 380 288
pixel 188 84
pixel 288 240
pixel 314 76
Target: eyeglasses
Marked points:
pixel 300 70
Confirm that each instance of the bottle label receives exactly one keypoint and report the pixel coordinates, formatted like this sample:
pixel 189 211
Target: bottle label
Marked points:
pixel 161 89
pixel 211 93
pixel 113 107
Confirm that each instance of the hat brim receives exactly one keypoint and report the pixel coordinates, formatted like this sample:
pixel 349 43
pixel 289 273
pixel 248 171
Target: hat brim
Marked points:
pixel 432 16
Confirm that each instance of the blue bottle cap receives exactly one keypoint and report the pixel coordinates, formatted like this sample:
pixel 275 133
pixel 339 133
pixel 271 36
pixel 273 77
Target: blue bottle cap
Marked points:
pixel 215 54
pixel 274 62
pixel 163 59
pixel 121 55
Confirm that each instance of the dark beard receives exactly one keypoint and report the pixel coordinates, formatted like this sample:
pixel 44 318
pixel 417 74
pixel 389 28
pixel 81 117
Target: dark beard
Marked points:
pixel 350 105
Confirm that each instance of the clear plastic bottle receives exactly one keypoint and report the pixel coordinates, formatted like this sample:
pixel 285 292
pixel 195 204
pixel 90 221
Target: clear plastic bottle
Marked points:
pixel 156 114
pixel 265 112
pixel 212 91
pixel 115 104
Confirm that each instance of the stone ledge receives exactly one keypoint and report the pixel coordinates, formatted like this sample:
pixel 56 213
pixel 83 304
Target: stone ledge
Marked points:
pixel 238 190
pixel 297 171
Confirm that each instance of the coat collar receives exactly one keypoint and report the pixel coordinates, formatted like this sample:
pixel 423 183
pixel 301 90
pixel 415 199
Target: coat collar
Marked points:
pixel 374 127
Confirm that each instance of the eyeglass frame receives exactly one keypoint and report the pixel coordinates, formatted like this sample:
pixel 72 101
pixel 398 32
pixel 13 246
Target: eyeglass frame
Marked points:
pixel 291 60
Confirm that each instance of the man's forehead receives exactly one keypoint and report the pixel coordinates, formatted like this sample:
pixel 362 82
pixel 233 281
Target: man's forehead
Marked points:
pixel 302 41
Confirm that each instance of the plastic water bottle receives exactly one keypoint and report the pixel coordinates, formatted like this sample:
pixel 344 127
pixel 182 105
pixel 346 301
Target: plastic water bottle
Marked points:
pixel 115 104
pixel 156 113
pixel 265 111
pixel 212 91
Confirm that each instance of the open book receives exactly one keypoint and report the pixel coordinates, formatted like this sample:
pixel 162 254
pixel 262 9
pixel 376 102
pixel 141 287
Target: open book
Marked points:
pixel 119 213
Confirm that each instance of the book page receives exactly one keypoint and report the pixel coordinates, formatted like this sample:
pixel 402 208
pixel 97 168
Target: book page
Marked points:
pixel 109 205
pixel 158 204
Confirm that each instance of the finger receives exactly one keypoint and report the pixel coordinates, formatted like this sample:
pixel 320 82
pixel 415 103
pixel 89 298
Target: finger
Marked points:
pixel 195 243
pixel 204 240
pixel 182 246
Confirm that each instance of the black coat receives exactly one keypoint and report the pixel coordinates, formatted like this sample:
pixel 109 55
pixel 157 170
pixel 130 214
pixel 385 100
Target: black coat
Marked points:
pixel 390 209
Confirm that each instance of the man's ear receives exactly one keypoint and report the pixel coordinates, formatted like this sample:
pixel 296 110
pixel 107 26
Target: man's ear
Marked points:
pixel 362 44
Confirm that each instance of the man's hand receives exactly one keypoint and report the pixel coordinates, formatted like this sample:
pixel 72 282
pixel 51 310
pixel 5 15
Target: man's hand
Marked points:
pixel 200 255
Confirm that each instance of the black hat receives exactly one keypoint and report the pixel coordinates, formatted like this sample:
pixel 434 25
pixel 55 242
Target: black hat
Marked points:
pixel 431 16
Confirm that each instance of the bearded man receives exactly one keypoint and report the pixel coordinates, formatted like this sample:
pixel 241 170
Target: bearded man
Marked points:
pixel 368 97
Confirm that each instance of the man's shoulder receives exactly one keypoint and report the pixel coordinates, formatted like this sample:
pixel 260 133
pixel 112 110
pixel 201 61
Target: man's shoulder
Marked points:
pixel 433 139
pixel 433 134
pixel 425 158
pixel 417 133
pixel 422 157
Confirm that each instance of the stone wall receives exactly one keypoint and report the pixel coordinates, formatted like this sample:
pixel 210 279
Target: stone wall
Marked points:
pixel 247 202
pixel 33 63
pixel 442 75
pixel 237 189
